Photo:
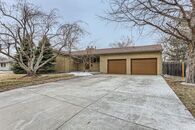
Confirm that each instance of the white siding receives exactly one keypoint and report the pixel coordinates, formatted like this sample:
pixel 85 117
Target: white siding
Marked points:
pixel 6 67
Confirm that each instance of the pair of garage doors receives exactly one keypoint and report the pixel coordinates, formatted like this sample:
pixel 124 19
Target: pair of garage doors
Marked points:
pixel 138 66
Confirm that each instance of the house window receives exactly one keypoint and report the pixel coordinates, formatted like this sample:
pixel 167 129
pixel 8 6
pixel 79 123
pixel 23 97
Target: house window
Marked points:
pixel 96 60
pixel 3 64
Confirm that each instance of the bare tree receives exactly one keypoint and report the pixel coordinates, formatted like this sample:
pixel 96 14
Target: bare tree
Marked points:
pixel 71 34
pixel 25 21
pixel 88 58
pixel 173 49
pixel 173 17
pixel 125 42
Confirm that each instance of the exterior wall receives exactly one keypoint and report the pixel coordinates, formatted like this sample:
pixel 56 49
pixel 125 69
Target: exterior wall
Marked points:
pixel 65 64
pixel 94 68
pixel 6 68
pixel 128 57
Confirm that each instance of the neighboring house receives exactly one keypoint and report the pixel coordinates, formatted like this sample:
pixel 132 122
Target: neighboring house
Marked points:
pixel 5 64
pixel 136 60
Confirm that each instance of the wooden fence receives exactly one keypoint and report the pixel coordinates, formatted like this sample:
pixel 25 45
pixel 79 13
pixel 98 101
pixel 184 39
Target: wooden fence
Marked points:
pixel 173 68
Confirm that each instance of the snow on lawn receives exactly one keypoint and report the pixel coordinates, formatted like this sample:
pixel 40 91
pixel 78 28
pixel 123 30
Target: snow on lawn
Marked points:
pixel 5 72
pixel 81 73
pixel 190 84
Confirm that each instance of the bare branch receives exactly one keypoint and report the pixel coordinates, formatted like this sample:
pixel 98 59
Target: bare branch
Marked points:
pixel 167 16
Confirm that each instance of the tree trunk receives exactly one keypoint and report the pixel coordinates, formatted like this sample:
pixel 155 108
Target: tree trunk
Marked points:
pixel 84 66
pixel 190 70
pixel 31 73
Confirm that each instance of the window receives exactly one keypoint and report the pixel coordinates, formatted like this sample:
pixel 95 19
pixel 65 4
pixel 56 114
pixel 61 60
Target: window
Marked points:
pixel 3 64
pixel 96 60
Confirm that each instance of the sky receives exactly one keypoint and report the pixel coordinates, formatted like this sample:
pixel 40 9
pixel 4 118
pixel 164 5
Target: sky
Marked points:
pixel 101 31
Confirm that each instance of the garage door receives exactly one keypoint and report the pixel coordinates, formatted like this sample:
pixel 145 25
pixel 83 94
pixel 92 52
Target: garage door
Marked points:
pixel 117 66
pixel 144 66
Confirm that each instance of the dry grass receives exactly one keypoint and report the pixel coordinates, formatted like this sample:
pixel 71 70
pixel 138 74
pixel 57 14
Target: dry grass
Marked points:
pixel 186 93
pixel 10 81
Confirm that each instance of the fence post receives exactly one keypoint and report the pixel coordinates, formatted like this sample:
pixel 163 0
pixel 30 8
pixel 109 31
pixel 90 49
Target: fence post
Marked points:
pixel 183 69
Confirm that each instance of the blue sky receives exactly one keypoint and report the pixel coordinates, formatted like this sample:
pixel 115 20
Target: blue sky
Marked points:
pixel 101 31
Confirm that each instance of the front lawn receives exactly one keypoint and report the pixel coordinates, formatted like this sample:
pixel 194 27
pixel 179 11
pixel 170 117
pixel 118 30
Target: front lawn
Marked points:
pixel 185 93
pixel 10 81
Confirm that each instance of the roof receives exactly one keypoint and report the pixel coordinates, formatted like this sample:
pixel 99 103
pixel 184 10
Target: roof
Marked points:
pixel 4 60
pixel 133 49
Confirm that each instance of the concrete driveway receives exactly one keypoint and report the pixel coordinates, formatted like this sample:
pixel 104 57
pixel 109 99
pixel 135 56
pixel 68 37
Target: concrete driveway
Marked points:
pixel 100 102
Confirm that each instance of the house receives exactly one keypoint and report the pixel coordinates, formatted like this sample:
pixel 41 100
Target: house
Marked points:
pixel 5 64
pixel 135 60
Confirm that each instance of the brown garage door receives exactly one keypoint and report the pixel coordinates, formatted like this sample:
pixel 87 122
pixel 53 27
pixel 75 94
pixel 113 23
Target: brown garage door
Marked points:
pixel 117 66
pixel 144 66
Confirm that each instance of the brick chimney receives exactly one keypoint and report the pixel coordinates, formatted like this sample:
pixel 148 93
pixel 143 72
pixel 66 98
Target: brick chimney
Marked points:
pixel 90 49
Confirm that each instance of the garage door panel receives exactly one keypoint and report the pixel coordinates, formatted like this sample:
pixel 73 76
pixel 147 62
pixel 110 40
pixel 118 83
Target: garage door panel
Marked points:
pixel 144 66
pixel 117 66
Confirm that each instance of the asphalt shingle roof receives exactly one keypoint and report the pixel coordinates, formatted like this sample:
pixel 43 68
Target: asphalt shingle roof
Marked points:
pixel 133 49
pixel 4 60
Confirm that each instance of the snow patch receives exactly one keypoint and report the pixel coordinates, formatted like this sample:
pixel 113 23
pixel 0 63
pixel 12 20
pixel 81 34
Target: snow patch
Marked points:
pixel 190 84
pixel 5 72
pixel 81 73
